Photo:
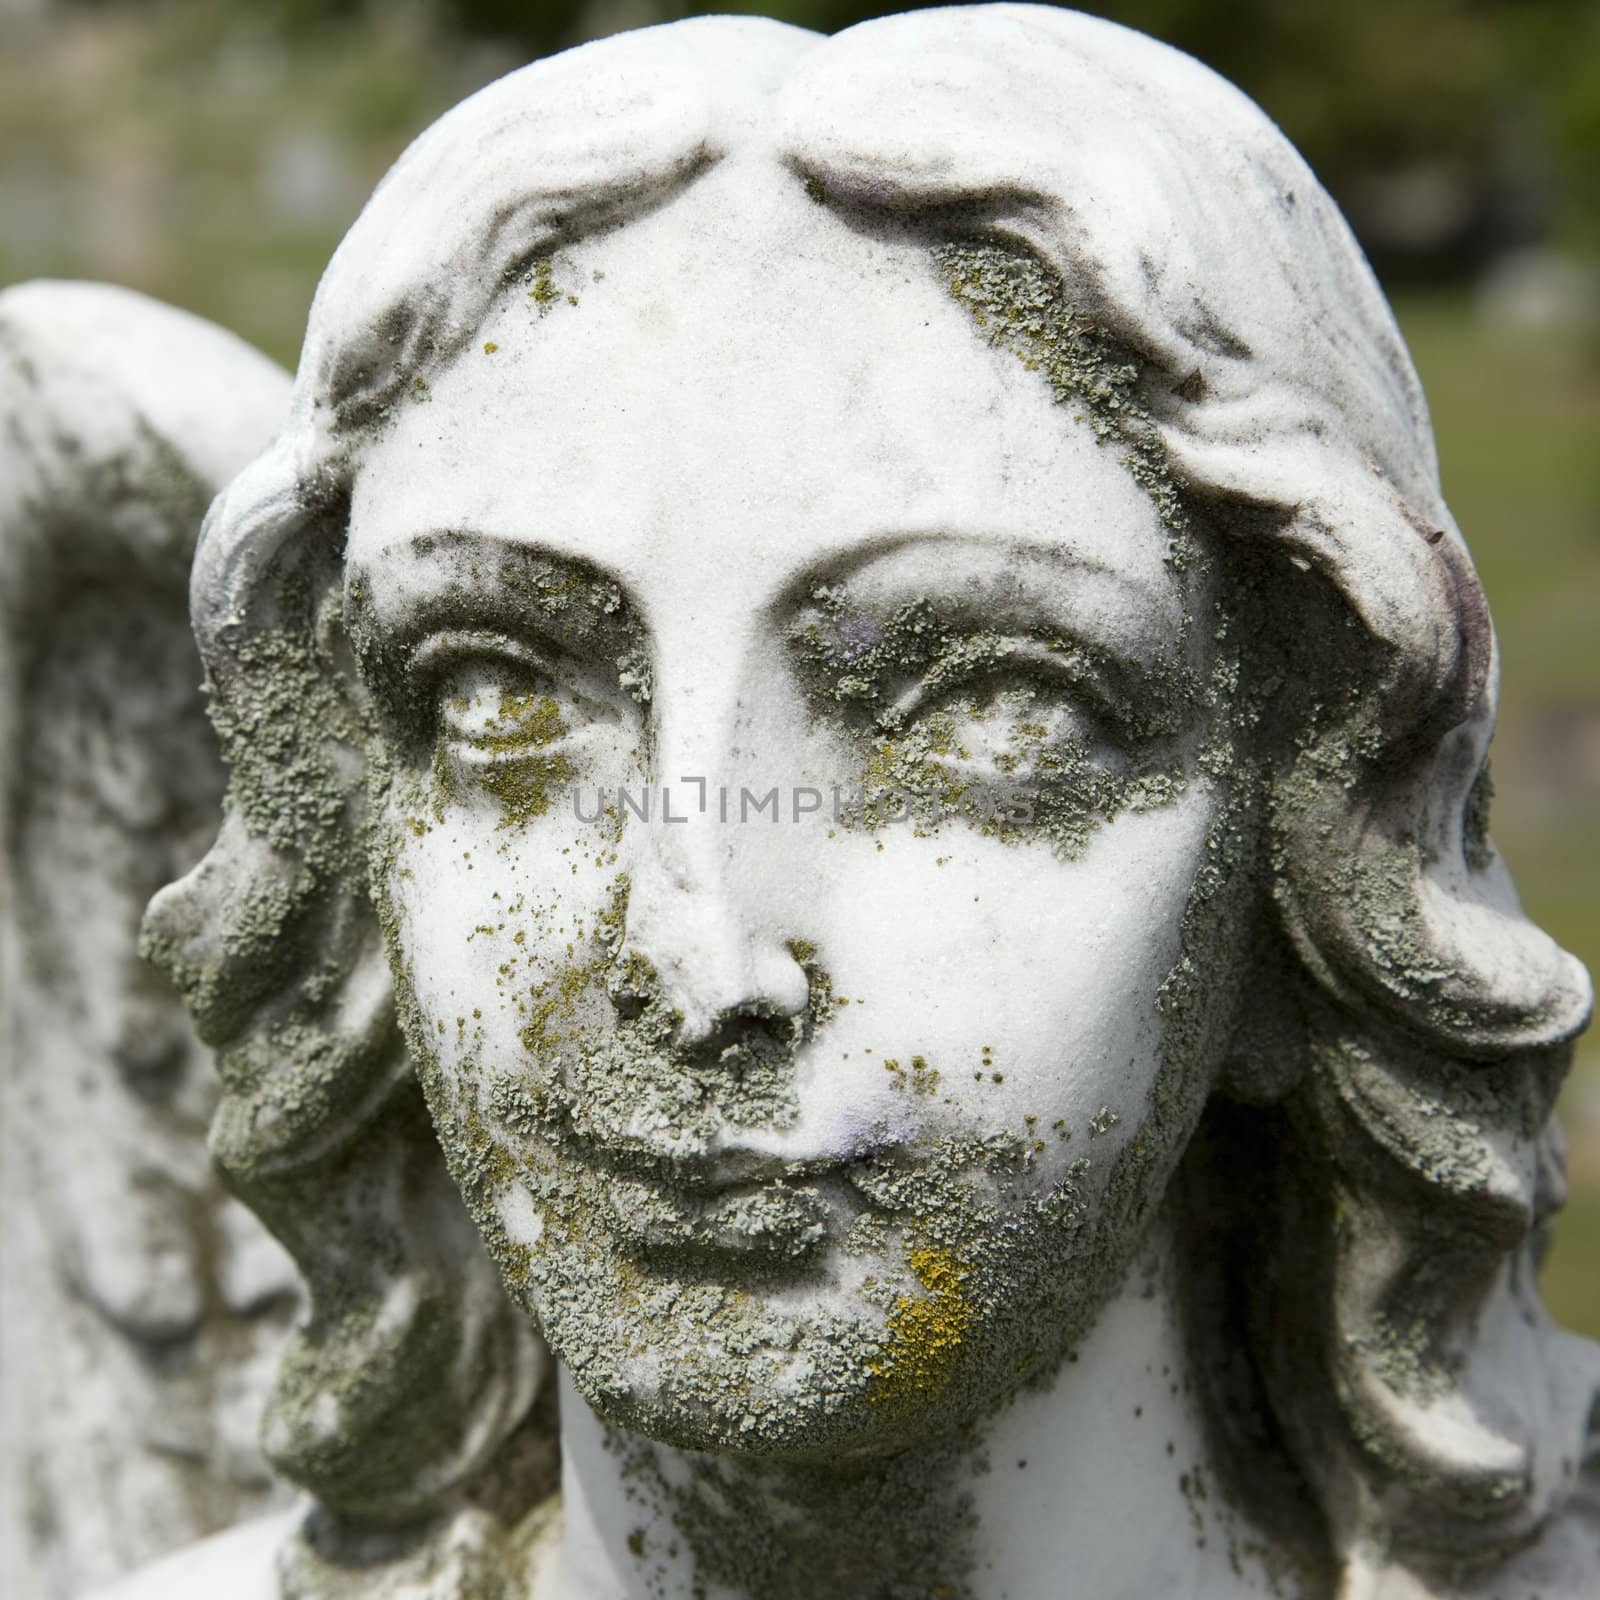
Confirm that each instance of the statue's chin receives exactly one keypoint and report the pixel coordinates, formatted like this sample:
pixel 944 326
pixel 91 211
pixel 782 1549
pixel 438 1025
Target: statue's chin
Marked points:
pixel 723 1367
pixel 788 1416
pixel 787 1373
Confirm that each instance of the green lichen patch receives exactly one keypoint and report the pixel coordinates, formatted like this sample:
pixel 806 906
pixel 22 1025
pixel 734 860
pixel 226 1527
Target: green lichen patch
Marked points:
pixel 1020 307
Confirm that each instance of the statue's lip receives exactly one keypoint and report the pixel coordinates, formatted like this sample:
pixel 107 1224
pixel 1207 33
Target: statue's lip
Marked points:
pixel 731 1203
pixel 713 1172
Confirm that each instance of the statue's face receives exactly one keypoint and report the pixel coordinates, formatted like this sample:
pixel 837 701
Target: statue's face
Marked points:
pixel 816 1131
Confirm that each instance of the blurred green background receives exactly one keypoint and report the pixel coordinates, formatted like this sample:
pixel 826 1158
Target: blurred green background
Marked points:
pixel 213 154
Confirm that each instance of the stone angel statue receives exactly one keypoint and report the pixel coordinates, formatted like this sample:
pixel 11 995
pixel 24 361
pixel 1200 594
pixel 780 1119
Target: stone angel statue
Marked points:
pixel 850 698
pixel 141 1311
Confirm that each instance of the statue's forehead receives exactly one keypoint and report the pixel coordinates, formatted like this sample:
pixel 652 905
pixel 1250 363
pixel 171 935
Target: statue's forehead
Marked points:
pixel 737 388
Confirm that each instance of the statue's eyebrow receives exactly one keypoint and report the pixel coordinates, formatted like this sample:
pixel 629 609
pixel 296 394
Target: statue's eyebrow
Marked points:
pixel 1006 585
pixel 442 578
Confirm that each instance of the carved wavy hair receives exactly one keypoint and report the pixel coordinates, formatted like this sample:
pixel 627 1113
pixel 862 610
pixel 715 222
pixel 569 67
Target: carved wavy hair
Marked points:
pixel 1391 1339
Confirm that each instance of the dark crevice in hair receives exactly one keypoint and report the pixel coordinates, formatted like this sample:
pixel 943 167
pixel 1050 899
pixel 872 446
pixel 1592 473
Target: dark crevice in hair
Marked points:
pixel 1224 1195
pixel 1278 605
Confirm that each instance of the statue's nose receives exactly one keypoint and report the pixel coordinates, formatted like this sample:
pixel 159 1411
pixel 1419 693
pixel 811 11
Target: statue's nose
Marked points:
pixel 712 950
pixel 207 933
pixel 176 923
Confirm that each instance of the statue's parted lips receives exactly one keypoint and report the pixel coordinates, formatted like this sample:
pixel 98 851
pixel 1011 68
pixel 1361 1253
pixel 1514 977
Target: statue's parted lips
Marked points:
pixel 777 1221
pixel 709 1173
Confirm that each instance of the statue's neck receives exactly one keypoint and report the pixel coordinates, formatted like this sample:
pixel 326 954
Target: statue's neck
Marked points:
pixel 1099 1485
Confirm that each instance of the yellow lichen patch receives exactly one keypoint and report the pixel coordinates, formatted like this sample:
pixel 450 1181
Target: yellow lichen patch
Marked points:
pixel 926 1331
pixel 557 999
pixel 520 720
pixel 922 1078
pixel 524 790
pixel 544 291
pixel 520 779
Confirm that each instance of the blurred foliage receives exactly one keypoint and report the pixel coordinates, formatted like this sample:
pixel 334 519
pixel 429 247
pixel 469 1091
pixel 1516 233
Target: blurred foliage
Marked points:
pixel 210 154
pixel 1501 95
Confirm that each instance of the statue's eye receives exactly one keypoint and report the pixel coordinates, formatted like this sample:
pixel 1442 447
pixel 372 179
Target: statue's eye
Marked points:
pixel 1014 729
pixel 1012 707
pixel 523 725
pixel 1020 728
pixel 521 719
pixel 1024 730
pixel 508 730
pixel 494 698
pixel 494 710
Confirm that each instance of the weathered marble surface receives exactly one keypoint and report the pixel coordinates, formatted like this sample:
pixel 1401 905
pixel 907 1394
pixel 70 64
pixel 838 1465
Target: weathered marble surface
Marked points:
pixel 141 1312
pixel 1097 1132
